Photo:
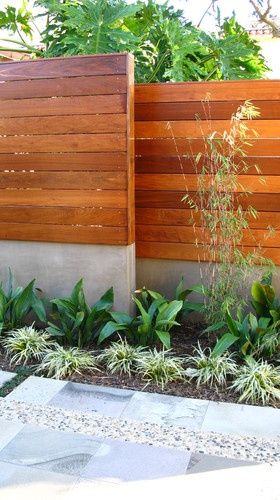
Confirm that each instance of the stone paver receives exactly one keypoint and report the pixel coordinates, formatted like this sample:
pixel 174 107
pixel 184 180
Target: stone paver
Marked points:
pixel 51 450
pixel 8 430
pixel 85 397
pixel 5 377
pixel 37 390
pixel 28 483
pixel 200 462
pixel 230 418
pixel 119 461
pixel 171 410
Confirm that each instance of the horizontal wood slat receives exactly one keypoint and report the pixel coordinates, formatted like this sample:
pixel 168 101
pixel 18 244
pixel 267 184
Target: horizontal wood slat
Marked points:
pixel 64 67
pixel 210 91
pixel 247 183
pixel 170 122
pixel 65 180
pixel 82 105
pixel 65 161
pixel 66 150
pixel 64 234
pixel 64 215
pixel 63 143
pixel 188 251
pixel 81 85
pixel 163 111
pixel 82 124
pixel 60 198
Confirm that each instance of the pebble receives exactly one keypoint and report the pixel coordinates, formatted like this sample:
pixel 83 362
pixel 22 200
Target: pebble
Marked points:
pixel 232 446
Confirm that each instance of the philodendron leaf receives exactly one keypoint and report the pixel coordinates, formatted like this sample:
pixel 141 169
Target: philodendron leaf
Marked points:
pixel 222 345
pixel 109 329
pixel 164 337
pixel 23 303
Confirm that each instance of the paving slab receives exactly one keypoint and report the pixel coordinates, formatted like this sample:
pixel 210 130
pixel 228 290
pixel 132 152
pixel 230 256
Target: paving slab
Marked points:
pixel 244 420
pixel 92 398
pixel 55 451
pixel 200 462
pixel 38 390
pixel 6 377
pixel 8 430
pixel 117 461
pixel 170 410
pixel 29 483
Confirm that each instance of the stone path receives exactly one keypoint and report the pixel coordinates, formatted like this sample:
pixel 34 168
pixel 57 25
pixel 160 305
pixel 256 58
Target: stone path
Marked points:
pixel 72 441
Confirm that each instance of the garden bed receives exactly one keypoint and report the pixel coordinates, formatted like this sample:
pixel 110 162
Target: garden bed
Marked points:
pixel 183 340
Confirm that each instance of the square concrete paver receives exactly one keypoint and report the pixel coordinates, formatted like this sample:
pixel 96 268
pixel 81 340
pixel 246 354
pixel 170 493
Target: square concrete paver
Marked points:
pixel 5 377
pixel 171 410
pixel 36 390
pixel 205 463
pixel 117 461
pixel 26 482
pixel 85 397
pixel 230 418
pixel 55 451
pixel 8 431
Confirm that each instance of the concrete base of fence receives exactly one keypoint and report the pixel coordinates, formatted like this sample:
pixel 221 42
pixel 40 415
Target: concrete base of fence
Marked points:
pixel 164 275
pixel 58 266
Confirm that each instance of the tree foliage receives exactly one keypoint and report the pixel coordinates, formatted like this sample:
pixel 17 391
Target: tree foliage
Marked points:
pixel 166 46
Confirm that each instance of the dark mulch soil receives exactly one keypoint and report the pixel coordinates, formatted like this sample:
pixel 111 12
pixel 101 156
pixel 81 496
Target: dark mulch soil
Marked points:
pixel 183 341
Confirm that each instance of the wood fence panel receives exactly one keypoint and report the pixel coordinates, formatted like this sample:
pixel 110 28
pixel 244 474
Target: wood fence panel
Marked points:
pixel 170 120
pixel 67 150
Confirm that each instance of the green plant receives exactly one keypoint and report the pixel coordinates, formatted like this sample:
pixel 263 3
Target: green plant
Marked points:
pixel 166 46
pixel 209 368
pixel 160 367
pixel 21 373
pixel 221 222
pixel 249 335
pixel 76 322
pixel 257 381
pixel 156 317
pixel 121 357
pixel 16 303
pixel 60 362
pixel 264 299
pixel 26 343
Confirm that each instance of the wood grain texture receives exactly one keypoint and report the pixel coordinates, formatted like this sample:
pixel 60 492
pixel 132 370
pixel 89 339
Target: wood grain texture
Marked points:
pixel 64 67
pixel 170 122
pixel 66 150
pixel 82 124
pixel 63 87
pixel 60 106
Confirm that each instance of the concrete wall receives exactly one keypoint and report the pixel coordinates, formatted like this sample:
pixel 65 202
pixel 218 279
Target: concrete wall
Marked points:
pixel 57 267
pixel 164 275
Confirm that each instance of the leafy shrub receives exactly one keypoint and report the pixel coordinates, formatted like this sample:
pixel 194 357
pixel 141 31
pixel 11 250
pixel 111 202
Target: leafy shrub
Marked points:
pixel 16 303
pixel 60 362
pixel 156 317
pixel 210 369
pixel 160 367
pixel 26 344
pixel 264 299
pixel 257 381
pixel 77 323
pixel 121 357
pixel 248 335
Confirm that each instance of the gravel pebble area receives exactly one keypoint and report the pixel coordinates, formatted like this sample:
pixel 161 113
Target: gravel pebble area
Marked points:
pixel 230 446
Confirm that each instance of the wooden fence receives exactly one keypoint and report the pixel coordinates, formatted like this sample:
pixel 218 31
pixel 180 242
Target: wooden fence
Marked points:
pixel 166 128
pixel 66 150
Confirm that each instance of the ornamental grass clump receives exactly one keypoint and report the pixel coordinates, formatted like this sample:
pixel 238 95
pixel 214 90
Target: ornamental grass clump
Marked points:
pixel 257 381
pixel 121 357
pixel 26 344
pixel 160 367
pixel 61 362
pixel 210 369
